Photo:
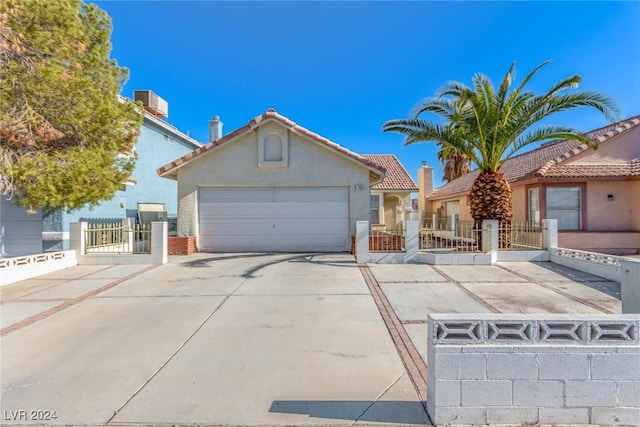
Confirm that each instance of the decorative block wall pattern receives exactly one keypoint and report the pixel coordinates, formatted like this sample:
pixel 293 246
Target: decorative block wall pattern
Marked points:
pixel 486 369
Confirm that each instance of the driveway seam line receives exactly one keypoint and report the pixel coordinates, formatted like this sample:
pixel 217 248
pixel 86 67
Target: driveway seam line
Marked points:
pixel 71 302
pixel 460 286
pixel 414 365
pixel 558 291
pixel 378 398
pixel 180 347
pixel 55 285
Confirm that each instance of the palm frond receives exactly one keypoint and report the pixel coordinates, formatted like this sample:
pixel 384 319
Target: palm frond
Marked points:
pixel 549 133
pixel 489 125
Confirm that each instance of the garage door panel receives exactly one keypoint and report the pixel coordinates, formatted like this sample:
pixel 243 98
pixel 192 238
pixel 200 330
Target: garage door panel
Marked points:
pixel 274 210
pixel 303 244
pixel 316 195
pixel 274 219
pixel 265 227
pixel 236 195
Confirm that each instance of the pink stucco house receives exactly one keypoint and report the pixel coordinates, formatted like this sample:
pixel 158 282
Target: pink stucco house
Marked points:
pixel 594 194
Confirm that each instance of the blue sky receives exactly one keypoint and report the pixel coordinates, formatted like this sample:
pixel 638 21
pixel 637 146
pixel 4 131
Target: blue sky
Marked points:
pixel 342 69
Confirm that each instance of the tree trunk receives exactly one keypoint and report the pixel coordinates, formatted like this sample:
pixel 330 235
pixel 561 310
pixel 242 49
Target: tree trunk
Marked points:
pixel 490 198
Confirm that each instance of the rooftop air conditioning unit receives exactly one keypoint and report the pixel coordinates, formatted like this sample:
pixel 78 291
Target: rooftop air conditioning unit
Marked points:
pixel 152 102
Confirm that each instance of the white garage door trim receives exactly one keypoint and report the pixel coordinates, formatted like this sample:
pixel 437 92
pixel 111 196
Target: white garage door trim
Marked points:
pixel 291 219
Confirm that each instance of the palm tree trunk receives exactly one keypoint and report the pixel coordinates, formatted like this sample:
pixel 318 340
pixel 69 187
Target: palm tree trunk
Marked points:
pixel 490 198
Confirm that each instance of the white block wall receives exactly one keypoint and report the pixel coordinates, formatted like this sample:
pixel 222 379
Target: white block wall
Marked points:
pixel 550 369
pixel 25 267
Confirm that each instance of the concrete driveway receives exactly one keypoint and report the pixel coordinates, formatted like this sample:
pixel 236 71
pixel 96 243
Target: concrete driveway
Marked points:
pixel 249 339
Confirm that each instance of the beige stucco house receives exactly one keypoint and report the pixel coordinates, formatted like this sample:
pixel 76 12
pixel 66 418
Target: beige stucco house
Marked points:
pixel 272 185
pixel 594 194
pixel 391 199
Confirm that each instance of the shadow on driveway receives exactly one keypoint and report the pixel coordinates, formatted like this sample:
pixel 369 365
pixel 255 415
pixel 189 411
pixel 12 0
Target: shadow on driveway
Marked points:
pixel 382 411
pixel 301 258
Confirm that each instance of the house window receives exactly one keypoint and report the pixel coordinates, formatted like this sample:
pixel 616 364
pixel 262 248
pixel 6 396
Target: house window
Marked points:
pixel 564 204
pixel 375 209
pixel 534 205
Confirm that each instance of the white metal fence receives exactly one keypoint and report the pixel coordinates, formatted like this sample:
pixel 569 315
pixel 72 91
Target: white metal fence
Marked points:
pixel 453 235
pixel 118 238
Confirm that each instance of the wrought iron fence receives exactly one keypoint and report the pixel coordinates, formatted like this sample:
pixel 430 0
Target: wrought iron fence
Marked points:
pixel 432 222
pixel 445 235
pixel 383 239
pixel 450 236
pixel 518 236
pixel 118 238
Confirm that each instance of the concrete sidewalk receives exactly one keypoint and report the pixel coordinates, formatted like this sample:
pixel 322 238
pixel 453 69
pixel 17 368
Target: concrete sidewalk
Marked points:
pixel 236 339
pixel 415 290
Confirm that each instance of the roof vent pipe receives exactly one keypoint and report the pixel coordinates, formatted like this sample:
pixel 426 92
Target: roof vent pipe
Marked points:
pixel 215 129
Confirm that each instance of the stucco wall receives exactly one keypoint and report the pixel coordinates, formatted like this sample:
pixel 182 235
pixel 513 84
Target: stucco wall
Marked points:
pixel 236 165
pixel 401 201
pixel 620 214
pixel 623 147
pixel 616 243
pixel 519 203
pixel 465 212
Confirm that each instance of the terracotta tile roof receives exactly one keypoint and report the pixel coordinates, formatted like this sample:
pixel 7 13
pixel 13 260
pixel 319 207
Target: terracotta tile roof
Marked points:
pixel 545 160
pixel 592 170
pixel 397 176
pixel 270 114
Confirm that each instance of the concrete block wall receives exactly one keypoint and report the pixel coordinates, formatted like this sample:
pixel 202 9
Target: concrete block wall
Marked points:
pixel 25 267
pixel 549 369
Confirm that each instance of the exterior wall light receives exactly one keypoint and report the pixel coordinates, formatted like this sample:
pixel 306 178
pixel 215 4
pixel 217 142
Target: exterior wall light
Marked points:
pixel 611 197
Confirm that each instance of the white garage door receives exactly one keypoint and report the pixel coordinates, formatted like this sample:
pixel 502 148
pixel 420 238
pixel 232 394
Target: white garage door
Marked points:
pixel 274 219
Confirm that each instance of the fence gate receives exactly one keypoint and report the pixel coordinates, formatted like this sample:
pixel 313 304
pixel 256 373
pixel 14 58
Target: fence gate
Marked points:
pixel 118 238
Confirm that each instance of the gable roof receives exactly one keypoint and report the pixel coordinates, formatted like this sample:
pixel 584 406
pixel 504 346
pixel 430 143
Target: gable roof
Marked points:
pixel 169 170
pixel 547 161
pixel 397 176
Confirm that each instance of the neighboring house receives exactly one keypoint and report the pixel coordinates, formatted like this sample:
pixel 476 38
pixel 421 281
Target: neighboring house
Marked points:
pixel 391 198
pixel 24 233
pixel 158 143
pixel 20 229
pixel 594 194
pixel 272 185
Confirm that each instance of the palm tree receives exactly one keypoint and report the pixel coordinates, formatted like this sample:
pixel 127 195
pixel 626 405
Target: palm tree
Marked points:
pixel 489 126
pixel 455 162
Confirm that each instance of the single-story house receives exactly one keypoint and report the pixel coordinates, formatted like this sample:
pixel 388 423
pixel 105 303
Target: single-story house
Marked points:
pixel 391 199
pixel 272 185
pixel 594 194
